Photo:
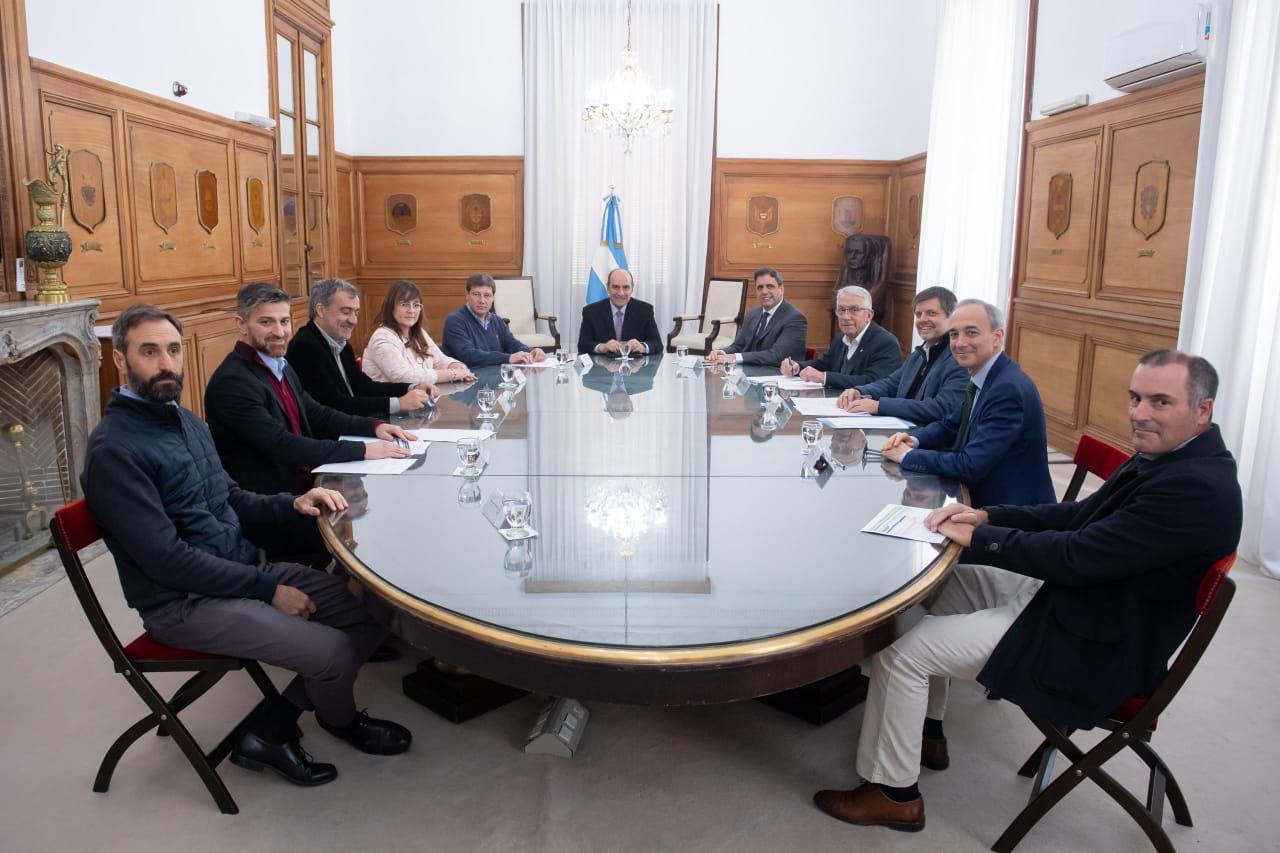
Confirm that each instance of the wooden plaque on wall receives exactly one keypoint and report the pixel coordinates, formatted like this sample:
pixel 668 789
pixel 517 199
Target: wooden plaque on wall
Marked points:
pixel 88 204
pixel 164 196
pixel 1058 219
pixel 476 213
pixel 255 203
pixel 207 199
pixel 402 213
pixel 846 215
pixel 764 215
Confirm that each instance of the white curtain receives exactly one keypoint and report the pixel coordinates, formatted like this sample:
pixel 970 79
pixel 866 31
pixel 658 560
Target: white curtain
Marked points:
pixel 664 184
pixel 1231 303
pixel 971 183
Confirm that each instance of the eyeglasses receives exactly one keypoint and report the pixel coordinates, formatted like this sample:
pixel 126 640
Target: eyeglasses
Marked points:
pixel 417 306
pixel 849 312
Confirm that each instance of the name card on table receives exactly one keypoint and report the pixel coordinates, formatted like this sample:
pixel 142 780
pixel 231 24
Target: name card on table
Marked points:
pixel 492 509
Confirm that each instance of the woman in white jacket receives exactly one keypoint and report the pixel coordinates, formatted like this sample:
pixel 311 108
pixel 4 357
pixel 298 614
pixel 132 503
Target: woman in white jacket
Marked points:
pixel 400 350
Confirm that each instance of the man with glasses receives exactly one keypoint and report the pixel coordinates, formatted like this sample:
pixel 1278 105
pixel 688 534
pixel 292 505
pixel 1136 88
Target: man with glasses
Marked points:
pixel 773 331
pixel 863 352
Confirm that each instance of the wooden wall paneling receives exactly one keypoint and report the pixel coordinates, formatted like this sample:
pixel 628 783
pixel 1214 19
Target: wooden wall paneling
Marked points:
pixel 433 238
pixel 20 151
pixel 101 262
pixel 440 296
pixel 901 320
pixel 1057 243
pixel 215 339
pixel 1152 179
pixel 1052 354
pixel 908 209
pixel 258 244
pixel 1112 359
pixel 344 198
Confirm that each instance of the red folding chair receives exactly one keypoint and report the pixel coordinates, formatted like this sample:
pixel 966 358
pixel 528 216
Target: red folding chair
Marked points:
pixel 1131 725
pixel 1093 456
pixel 73 529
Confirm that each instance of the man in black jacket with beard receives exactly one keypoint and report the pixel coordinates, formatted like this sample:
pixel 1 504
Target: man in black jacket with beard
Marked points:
pixel 176 524
pixel 1117 576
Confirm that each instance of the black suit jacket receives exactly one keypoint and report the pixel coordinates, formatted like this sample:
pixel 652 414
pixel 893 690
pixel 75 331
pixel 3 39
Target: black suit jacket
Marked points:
pixel 310 357
pixel 251 430
pixel 877 356
pixel 637 324
pixel 783 337
pixel 1121 570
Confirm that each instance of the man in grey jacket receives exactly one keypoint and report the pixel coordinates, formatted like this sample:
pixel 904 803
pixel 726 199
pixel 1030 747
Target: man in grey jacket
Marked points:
pixel 772 331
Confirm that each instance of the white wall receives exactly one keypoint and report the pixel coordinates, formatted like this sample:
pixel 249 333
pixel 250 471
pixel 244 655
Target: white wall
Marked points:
pixel 221 56
pixel 439 78
pixel 845 79
pixel 841 79
pixel 1071 43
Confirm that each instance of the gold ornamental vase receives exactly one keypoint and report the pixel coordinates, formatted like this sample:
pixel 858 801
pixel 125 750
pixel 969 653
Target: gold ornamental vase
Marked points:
pixel 47 244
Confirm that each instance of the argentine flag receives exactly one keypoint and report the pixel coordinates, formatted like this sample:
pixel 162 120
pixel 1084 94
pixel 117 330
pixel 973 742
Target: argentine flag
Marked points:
pixel 609 255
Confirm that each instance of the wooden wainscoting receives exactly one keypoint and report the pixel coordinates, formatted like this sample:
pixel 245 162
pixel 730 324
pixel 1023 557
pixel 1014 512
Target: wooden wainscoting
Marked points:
pixel 782 214
pixel 164 198
pixel 908 205
pixel 1105 217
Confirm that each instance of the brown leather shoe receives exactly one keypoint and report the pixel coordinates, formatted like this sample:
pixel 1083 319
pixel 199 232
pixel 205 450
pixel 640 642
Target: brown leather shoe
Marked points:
pixel 933 753
pixel 867 805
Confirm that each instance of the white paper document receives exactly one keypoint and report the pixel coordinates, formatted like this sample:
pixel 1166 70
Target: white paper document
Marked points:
pixel 453 434
pixel 848 421
pixel 787 383
pixel 904 522
pixel 818 407
pixel 416 448
pixel 689 360
pixel 367 466
pixel 535 365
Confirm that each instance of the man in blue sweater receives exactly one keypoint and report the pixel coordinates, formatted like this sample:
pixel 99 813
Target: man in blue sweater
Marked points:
pixel 179 529
pixel 476 336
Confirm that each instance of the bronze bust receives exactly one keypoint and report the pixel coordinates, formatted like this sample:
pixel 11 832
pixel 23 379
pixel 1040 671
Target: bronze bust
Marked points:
pixel 864 265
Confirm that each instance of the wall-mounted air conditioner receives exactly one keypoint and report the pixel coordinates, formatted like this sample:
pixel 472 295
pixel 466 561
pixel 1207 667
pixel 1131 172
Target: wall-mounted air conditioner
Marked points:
pixel 1157 53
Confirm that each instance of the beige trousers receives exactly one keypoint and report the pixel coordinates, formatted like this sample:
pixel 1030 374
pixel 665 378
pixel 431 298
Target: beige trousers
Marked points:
pixel 909 679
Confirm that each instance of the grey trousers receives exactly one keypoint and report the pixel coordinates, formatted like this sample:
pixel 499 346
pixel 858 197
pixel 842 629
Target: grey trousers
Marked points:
pixel 326 651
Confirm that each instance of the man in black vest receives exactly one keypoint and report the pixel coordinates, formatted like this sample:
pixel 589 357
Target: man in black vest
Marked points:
pixel 321 354
pixel 176 525
pixel 1118 574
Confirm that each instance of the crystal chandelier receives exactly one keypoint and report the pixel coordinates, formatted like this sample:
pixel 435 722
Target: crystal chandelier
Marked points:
pixel 627 512
pixel 627 105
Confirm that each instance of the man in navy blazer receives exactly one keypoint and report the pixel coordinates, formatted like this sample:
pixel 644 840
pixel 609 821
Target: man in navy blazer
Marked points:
pixel 476 336
pixel 930 385
pixel 862 352
pixel 773 330
pixel 1115 580
pixel 609 322
pixel 995 443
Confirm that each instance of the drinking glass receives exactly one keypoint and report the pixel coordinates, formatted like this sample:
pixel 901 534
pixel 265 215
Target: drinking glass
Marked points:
pixel 770 392
pixel 626 349
pixel 518 561
pixel 469 493
pixel 768 420
pixel 469 453
pixel 682 353
pixel 515 509
pixel 485 398
pixel 810 432
pixel 508 373
pixel 562 357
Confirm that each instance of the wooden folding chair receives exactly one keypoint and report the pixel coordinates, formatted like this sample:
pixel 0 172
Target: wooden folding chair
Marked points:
pixel 1131 725
pixel 74 529
pixel 1093 456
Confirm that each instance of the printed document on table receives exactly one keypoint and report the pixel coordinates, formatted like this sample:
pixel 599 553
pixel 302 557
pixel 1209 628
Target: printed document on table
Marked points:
pixel 534 365
pixel 904 522
pixel 867 422
pixel 787 383
pixel 367 466
pixel 818 407
pixel 453 434
pixel 416 448
pixel 689 361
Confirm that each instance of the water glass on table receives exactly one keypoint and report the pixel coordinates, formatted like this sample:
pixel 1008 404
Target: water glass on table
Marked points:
pixel 485 399
pixel 810 432
pixel 516 509
pixel 469 455
pixel 769 391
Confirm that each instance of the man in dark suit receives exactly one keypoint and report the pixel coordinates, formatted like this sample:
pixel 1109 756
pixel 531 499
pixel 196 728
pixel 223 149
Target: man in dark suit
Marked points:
pixel 617 381
pixel 179 529
pixel 609 322
pixel 268 430
pixel 772 331
pixel 476 336
pixel 862 352
pixel 1115 577
pixel 930 385
pixel 321 354
pixel 995 443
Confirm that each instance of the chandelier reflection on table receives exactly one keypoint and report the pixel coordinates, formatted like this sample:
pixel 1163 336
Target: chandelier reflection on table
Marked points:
pixel 627 511
pixel 627 105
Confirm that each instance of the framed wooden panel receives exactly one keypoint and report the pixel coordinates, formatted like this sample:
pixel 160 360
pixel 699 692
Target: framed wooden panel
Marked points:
pixel 1052 357
pixel 1151 182
pixel 1059 222
pixel 907 217
pixel 255 173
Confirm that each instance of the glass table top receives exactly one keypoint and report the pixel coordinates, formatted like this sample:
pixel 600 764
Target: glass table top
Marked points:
pixel 673 509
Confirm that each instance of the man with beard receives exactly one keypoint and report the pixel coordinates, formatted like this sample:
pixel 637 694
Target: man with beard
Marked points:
pixel 178 528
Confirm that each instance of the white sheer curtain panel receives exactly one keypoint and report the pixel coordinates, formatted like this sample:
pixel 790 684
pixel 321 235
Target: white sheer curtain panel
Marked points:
pixel 971 184
pixel 1231 303
pixel 664 183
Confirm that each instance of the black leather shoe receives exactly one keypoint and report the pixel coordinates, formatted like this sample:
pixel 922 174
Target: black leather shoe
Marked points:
pixel 288 759
pixel 371 735
pixel 933 753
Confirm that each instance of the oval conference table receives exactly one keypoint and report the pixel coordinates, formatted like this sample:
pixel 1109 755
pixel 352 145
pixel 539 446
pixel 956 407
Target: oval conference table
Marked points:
pixel 688 551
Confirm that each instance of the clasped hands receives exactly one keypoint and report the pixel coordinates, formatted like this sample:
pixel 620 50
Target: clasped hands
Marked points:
pixel 417 397
pixel 956 522
pixel 790 367
pixel 532 356
pixel 612 347
pixel 897 446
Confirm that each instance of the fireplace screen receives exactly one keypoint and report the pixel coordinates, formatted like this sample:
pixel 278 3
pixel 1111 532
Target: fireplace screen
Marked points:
pixel 34 469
